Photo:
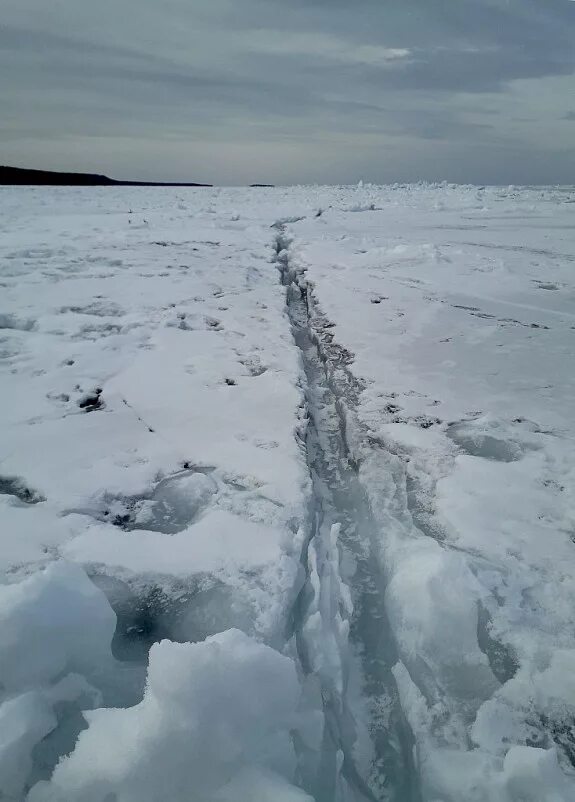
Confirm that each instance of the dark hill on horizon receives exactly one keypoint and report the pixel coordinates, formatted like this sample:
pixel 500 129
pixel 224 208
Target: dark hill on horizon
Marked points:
pixel 19 176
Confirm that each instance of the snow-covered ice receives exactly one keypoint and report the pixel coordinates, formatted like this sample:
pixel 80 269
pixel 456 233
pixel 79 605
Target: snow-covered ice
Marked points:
pixel 209 709
pixel 287 489
pixel 455 307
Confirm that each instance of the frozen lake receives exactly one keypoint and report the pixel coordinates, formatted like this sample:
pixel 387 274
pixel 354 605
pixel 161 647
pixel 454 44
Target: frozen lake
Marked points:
pixel 287 494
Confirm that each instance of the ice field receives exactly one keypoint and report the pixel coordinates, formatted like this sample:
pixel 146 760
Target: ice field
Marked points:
pixel 287 494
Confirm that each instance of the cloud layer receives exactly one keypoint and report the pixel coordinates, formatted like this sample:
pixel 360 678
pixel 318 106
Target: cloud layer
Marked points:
pixel 235 91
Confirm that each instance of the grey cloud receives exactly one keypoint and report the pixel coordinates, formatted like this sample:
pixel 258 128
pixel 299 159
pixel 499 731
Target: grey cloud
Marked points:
pixel 434 76
pixel 84 72
pixel 456 45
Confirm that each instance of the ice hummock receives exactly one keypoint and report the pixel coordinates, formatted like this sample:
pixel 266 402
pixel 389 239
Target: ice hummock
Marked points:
pixel 211 725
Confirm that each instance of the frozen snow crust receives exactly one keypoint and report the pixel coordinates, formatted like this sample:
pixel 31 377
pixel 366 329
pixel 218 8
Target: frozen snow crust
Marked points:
pixel 286 494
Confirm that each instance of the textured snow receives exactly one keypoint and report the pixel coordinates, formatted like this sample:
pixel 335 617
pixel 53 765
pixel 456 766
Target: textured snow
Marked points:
pixel 44 627
pixel 192 732
pixel 156 498
pixel 457 308
pixel 149 415
pixel 55 634
pixel 155 354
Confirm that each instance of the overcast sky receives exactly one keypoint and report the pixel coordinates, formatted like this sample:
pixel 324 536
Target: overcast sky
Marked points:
pixel 291 91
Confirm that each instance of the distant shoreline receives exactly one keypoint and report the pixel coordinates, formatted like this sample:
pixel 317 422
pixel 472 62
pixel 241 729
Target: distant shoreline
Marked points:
pixel 20 176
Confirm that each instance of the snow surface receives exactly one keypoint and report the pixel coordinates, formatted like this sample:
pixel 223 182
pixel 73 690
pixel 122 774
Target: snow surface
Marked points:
pixel 192 730
pixel 182 615
pixel 458 308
